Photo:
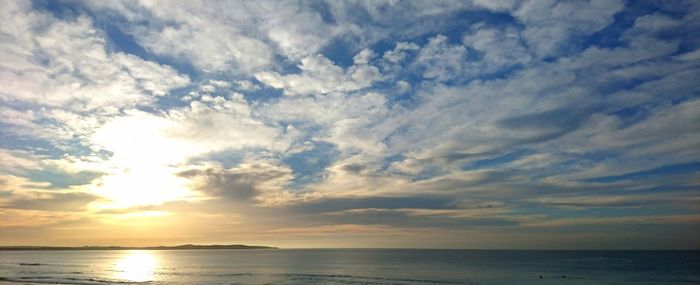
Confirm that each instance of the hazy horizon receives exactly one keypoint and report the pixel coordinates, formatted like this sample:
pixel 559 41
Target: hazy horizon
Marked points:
pixel 509 124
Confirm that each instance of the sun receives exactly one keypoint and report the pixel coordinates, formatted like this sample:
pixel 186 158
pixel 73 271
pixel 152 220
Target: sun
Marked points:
pixel 143 186
pixel 143 161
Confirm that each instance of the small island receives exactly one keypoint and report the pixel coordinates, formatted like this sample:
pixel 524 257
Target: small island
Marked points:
pixel 177 247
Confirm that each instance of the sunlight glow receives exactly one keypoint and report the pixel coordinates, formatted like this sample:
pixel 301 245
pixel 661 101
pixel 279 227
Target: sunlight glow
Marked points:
pixel 142 186
pixel 143 159
pixel 136 266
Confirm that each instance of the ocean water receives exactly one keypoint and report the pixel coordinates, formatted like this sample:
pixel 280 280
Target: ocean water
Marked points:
pixel 349 266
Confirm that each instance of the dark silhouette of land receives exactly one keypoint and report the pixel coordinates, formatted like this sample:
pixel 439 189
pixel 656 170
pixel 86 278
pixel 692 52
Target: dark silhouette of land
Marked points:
pixel 177 247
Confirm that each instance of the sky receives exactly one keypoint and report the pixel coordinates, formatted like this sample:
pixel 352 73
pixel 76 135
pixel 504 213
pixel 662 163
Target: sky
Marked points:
pixel 432 124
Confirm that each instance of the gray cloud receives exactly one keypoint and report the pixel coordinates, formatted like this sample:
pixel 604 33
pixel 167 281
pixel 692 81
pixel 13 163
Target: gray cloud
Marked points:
pixel 245 182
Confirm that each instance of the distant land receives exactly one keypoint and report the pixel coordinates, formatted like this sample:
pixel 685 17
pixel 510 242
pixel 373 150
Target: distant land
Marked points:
pixel 177 247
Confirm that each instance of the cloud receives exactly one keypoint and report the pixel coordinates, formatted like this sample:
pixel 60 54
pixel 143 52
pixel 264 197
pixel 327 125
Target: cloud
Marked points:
pixel 247 85
pixel 550 24
pixel 17 160
pixel 364 56
pixel 64 202
pixel 320 76
pixel 222 123
pixel 617 201
pixel 399 52
pixel 377 202
pixel 262 182
pixel 170 140
pixel 22 218
pixel 515 118
pixel 20 193
pixel 640 220
pixel 66 64
pixel 440 60
pixel 61 80
pixel 485 51
pixel 545 125
pixel 198 33
pixel 207 125
pixel 500 48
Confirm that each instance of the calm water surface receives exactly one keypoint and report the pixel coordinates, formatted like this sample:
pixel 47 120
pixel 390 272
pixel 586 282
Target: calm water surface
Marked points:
pixel 349 266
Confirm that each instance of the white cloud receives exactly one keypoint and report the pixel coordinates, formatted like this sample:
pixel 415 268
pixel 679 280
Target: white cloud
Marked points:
pixel 497 5
pixel 484 51
pixel 440 60
pixel 222 124
pixel 65 64
pixel 15 160
pixel 500 48
pixel 61 81
pixel 399 52
pixel 320 76
pixel 207 88
pixel 364 56
pixel 403 86
pixel 246 85
pixel 207 125
pixel 550 23
pixel 224 36
pixel 148 150
pixel 211 36
pixel 653 136
pixel 220 83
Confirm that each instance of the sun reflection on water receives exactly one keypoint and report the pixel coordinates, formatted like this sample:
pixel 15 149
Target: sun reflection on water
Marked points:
pixel 136 266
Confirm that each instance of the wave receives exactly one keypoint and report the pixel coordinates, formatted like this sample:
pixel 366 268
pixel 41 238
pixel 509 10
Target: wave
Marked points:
pixel 353 279
pixel 304 278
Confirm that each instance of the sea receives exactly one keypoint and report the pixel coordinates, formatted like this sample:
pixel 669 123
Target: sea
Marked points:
pixel 349 266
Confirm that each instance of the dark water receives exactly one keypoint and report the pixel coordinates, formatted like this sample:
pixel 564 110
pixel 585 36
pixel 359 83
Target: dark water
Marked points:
pixel 349 266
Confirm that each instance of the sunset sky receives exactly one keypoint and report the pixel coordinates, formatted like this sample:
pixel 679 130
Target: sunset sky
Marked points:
pixel 444 124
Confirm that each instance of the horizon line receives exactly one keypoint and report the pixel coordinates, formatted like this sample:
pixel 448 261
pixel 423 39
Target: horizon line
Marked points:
pixel 245 246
